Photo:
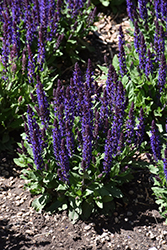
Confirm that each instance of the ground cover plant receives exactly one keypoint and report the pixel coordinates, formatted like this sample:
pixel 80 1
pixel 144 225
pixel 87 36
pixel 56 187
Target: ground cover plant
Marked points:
pixel 36 38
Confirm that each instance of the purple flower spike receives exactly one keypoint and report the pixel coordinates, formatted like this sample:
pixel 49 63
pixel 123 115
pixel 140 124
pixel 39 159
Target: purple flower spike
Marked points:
pixel 74 7
pixel 120 143
pixel 111 85
pixel 59 96
pixel 116 130
pixel 122 60
pixel 6 38
pixel 136 36
pixel 143 9
pixel 104 106
pixel 56 140
pixel 69 139
pixel 129 135
pixel 41 48
pixel 140 129
pixel 108 153
pixel 96 126
pixel 77 78
pixel 61 119
pixel 31 65
pixel 69 105
pixel 155 142
pixel 120 101
pixel 35 138
pixel 87 146
pixel 165 164
pixel 162 73
pixel 130 9
pixel 142 52
pixel 42 103
pixel 163 10
pixel 157 6
pixel 64 161
pixel 149 64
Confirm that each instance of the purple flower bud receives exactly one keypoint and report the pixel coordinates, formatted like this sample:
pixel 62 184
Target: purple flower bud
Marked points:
pixel 108 153
pixel 130 125
pixel 155 142
pixel 122 60
pixel 64 160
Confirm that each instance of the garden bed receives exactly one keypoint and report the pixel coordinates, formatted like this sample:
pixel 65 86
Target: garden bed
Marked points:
pixel 135 223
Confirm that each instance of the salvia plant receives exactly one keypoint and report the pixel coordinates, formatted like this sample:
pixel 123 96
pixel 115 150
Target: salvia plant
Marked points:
pixel 36 37
pixel 141 64
pixel 77 149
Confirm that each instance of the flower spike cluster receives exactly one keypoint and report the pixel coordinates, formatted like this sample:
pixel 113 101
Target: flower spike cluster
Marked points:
pixel 81 129
pixel 155 142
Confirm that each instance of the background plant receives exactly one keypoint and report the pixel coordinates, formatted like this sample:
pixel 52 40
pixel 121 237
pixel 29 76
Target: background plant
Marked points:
pixel 158 168
pixel 36 38
pixel 141 64
pixel 77 152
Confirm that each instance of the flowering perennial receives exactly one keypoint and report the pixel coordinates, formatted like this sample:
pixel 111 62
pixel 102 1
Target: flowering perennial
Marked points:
pixel 81 129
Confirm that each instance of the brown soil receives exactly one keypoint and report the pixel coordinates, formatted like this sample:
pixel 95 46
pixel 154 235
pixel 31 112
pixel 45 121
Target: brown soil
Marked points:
pixel 135 223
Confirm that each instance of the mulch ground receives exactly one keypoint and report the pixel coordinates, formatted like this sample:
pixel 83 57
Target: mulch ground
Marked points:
pixel 135 223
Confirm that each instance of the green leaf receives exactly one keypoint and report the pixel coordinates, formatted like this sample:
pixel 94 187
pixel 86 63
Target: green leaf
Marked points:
pixel 153 169
pixel 61 187
pixel 103 68
pixel 115 62
pixel 54 206
pixel 125 80
pixel 40 202
pixel 71 41
pixel 103 192
pixel 73 216
pixel 99 204
pixel 86 210
pixel 88 192
pixel 107 198
pixel 105 3
pixel 1 67
pixel 116 192
pixel 19 162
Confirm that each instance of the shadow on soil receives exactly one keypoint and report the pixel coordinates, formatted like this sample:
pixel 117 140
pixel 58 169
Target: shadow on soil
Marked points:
pixel 14 241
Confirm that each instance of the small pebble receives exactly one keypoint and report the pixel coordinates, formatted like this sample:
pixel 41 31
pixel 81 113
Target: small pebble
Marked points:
pixel 88 227
pixel 115 214
pixel 131 192
pixel 116 219
pixel 17 198
pixel 30 232
pixel 129 213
